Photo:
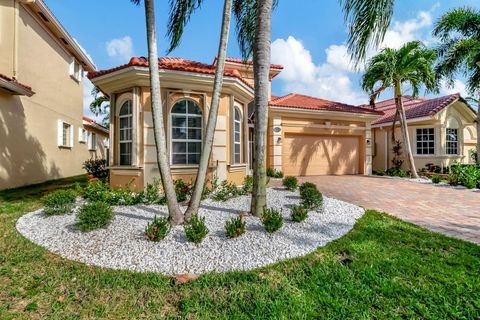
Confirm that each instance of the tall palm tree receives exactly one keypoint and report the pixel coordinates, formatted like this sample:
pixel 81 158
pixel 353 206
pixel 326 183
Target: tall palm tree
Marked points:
pixel 176 215
pixel 179 15
pixel 459 52
pixel 411 65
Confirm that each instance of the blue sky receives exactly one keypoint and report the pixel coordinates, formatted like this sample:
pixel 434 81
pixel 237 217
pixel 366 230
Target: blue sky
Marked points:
pixel 308 38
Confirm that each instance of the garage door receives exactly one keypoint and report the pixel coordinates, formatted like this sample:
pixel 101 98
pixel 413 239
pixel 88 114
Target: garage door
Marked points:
pixel 307 155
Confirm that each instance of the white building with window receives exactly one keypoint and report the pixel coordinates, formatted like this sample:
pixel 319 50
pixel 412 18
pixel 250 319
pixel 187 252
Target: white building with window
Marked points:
pixel 442 131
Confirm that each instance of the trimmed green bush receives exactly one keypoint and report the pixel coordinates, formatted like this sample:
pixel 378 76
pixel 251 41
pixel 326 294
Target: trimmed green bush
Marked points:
pixel 59 202
pixel 299 213
pixel 312 199
pixel 247 185
pixel 158 229
pixel 291 183
pixel 306 185
pixel 94 215
pixel 274 173
pixel 467 175
pixel 226 191
pixel 436 179
pixel 195 229
pixel 272 220
pixel 235 227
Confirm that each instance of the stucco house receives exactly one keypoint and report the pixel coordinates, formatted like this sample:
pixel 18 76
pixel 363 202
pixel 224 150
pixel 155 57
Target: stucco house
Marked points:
pixel 306 135
pixel 442 130
pixel 42 133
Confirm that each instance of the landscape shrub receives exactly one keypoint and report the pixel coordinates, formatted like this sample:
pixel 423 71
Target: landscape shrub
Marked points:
pixel 436 179
pixel 152 193
pixel 158 229
pixel 299 213
pixel 272 220
pixel 311 198
pixel 226 191
pixel 195 229
pixel 380 173
pixel 465 174
pixel 247 185
pixel 306 185
pixel 97 168
pixel 59 202
pixel 182 189
pixel 235 227
pixel 94 215
pixel 274 173
pixel 433 168
pixel 291 183
pixel 397 172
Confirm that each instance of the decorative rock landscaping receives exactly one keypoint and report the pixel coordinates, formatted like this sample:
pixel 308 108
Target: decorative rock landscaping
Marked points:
pixel 122 245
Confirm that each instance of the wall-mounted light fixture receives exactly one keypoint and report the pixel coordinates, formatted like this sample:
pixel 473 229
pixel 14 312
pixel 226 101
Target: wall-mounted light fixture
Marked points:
pixel 279 140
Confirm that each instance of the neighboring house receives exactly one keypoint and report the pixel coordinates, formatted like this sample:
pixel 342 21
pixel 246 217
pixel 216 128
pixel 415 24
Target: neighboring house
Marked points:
pixel 41 97
pixel 306 135
pixel 442 130
pixel 96 137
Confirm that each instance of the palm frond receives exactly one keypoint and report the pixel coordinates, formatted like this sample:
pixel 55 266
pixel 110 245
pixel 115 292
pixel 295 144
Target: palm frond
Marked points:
pixel 135 2
pixel 180 13
pixel 368 21
pixel 465 21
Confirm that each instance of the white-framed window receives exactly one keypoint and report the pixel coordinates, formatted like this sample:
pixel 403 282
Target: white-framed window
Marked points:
pixel 237 136
pixel 82 135
pixel 92 141
pixel 65 134
pixel 186 132
pixel 106 142
pixel 125 127
pixel 452 141
pixel 76 70
pixel 425 141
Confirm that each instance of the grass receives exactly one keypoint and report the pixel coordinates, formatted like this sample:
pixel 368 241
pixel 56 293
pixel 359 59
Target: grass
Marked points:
pixel 383 268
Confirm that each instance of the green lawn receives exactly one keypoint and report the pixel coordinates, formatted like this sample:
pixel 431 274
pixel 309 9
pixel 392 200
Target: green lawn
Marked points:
pixel 383 269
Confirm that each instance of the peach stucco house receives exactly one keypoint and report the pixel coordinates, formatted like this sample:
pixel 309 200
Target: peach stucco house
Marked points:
pixel 42 133
pixel 306 135
pixel 442 131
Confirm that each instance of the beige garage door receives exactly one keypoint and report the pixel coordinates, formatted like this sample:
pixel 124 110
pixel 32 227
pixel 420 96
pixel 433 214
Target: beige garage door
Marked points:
pixel 307 155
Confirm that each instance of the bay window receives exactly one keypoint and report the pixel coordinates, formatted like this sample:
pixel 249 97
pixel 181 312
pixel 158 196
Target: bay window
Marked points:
pixel 125 127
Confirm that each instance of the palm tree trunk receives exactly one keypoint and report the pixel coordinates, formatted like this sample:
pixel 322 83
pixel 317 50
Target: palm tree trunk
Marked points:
pixel 478 132
pixel 403 125
pixel 261 69
pixel 176 216
pixel 212 117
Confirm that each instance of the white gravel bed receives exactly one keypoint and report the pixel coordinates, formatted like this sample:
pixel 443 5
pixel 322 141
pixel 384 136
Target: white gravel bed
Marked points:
pixel 123 245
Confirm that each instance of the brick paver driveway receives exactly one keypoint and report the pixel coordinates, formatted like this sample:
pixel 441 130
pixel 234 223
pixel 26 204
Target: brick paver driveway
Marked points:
pixel 450 211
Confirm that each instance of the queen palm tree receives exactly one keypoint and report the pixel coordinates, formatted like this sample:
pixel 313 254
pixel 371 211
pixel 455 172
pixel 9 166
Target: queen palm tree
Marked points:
pixel 179 15
pixel 411 65
pixel 175 214
pixel 459 51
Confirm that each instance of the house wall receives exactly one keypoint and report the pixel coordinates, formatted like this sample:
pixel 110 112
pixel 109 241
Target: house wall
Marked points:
pixel 454 116
pixel 317 124
pixel 145 167
pixel 29 125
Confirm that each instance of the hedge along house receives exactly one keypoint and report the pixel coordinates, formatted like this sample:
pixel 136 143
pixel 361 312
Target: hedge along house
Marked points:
pixel 442 130
pixel 186 89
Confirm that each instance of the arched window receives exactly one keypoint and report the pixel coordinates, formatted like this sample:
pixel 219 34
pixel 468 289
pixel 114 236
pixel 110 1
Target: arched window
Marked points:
pixel 125 120
pixel 186 132
pixel 237 136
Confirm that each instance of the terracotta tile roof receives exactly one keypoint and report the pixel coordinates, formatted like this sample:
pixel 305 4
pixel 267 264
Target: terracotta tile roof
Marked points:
pixel 414 107
pixel 249 62
pixel 299 101
pixel 177 64
pixel 14 81
pixel 95 124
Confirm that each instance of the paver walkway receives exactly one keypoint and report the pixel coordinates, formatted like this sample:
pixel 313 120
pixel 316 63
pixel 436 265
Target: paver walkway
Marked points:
pixel 453 212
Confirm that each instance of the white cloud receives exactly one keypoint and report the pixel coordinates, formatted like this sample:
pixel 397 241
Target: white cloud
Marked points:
pixel 121 48
pixel 332 79
pixel 458 86
pixel 301 75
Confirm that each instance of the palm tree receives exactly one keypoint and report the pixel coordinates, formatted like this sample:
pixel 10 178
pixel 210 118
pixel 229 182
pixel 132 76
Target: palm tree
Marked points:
pixel 100 106
pixel 179 15
pixel 459 52
pixel 176 215
pixel 411 65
